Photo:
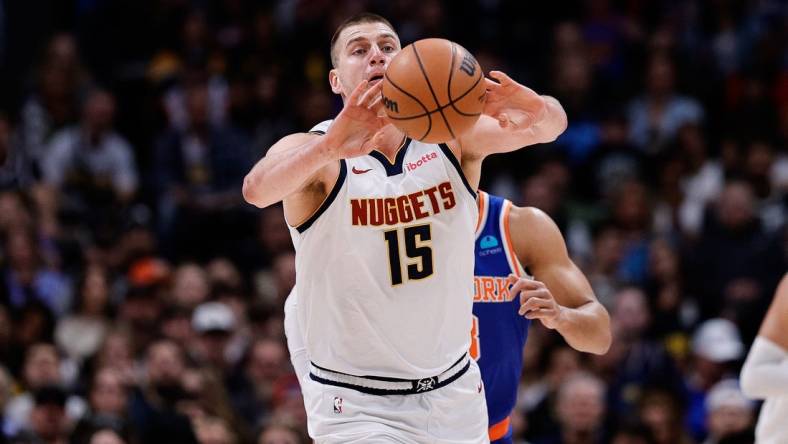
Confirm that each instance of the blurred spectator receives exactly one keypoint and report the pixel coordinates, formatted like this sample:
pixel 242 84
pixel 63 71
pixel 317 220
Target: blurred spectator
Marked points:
pixel 632 215
pixel 26 279
pixel 53 104
pixel 199 171
pixel 735 265
pixel 108 399
pixel 92 160
pixel 716 347
pixel 729 412
pixel 634 362
pixel 265 363
pixel 540 398
pixel 655 117
pixel 17 169
pixel 153 403
pixel 580 411
pixel 214 324
pixel 702 178
pixel 81 333
pixel 661 412
pixel 190 286
pixel 48 422
pixel 42 369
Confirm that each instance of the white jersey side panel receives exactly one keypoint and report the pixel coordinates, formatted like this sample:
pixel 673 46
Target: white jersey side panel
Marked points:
pixel 385 267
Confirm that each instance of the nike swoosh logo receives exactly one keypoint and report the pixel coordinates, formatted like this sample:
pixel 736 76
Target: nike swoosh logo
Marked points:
pixel 357 171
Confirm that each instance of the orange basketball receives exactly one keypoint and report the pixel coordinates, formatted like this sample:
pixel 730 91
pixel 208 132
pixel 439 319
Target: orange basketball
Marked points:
pixel 434 90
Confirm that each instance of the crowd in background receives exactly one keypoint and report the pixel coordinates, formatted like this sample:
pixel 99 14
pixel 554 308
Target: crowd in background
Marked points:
pixel 141 298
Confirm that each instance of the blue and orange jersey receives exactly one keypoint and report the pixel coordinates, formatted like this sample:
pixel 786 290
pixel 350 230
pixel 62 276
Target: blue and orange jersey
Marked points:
pixel 499 332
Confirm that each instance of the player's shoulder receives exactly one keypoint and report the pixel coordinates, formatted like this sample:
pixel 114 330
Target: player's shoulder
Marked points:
pixel 321 128
pixel 295 139
pixel 530 215
pixel 530 224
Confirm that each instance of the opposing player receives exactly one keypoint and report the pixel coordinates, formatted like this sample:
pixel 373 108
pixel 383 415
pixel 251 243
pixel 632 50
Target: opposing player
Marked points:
pixel 765 372
pixel 510 239
pixel 383 228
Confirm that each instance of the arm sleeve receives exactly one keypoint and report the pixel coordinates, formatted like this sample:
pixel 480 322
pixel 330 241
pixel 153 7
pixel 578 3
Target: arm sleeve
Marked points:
pixel 765 372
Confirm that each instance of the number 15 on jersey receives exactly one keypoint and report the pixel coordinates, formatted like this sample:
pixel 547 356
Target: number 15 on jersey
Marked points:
pixel 417 249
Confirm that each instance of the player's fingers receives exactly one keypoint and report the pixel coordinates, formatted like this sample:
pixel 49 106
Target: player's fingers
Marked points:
pixel 534 304
pixel 356 94
pixel 376 104
pixel 371 94
pixel 534 289
pixel 501 77
pixel 520 285
pixel 491 84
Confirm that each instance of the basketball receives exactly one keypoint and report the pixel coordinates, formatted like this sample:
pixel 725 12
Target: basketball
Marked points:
pixel 434 90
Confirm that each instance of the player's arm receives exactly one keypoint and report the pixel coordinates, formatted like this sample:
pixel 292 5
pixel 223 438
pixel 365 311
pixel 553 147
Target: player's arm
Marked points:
pixel 299 168
pixel 765 371
pixel 560 295
pixel 514 116
pixel 292 165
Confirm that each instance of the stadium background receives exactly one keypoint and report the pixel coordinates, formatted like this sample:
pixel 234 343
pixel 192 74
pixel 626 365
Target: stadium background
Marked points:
pixel 141 299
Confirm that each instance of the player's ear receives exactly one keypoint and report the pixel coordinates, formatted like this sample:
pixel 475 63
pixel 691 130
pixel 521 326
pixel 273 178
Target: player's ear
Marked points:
pixel 333 80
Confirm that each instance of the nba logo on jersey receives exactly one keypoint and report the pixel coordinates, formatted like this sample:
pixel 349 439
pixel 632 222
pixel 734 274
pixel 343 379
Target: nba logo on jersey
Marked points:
pixel 337 405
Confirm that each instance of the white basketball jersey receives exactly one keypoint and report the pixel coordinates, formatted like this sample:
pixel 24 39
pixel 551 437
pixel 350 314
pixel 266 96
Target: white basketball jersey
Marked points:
pixel 384 268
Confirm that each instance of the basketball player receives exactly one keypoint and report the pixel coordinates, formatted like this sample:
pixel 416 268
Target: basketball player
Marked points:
pixel 509 238
pixel 383 230
pixel 765 372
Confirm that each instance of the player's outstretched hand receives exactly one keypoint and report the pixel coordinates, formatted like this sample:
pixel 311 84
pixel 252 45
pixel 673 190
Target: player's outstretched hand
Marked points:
pixel 514 106
pixel 536 301
pixel 355 131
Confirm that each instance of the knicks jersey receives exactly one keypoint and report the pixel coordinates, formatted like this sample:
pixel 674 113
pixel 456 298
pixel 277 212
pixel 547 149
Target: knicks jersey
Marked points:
pixel 384 267
pixel 499 332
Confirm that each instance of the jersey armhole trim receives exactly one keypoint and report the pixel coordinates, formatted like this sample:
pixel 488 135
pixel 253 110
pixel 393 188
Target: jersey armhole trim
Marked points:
pixel 514 262
pixel 450 155
pixel 329 199
pixel 483 211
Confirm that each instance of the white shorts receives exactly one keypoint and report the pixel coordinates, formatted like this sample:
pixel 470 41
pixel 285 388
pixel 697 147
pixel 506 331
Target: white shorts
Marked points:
pixel 455 413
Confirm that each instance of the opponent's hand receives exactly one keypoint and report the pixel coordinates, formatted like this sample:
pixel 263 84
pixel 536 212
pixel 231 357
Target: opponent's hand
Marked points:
pixel 514 106
pixel 355 131
pixel 536 301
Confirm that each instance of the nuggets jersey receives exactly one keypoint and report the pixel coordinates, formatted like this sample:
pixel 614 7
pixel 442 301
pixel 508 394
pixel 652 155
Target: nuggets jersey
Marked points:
pixel 384 266
pixel 499 332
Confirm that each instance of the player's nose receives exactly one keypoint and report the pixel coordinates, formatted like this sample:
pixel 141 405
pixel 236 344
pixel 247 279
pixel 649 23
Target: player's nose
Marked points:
pixel 376 56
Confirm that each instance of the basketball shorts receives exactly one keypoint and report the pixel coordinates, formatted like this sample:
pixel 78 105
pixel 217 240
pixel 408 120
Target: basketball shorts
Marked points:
pixel 452 413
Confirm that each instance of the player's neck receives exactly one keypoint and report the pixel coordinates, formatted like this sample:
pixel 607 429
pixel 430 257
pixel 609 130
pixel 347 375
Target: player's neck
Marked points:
pixel 391 142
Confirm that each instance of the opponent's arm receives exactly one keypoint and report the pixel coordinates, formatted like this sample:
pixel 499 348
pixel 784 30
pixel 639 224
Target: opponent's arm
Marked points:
pixel 765 372
pixel 560 296
pixel 514 116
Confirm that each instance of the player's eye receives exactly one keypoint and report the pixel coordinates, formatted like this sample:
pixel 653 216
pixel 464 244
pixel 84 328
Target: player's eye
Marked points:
pixel 388 48
pixel 359 51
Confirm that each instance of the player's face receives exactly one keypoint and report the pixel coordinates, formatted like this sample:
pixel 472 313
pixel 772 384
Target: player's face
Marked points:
pixel 363 53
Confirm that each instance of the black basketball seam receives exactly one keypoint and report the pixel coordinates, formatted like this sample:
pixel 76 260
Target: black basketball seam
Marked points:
pixel 426 113
pixel 451 102
pixel 434 96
